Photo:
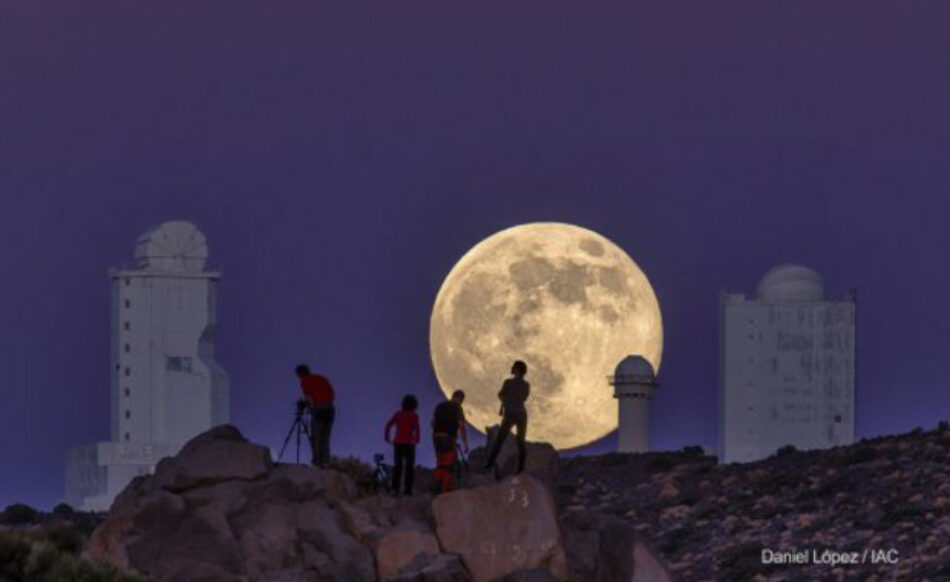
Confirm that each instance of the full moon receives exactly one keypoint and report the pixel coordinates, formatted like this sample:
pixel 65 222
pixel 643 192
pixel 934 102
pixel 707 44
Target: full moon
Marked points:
pixel 564 299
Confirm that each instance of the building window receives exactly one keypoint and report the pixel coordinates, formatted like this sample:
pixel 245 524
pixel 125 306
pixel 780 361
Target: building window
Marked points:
pixel 128 371
pixel 128 281
pixel 128 392
pixel 178 363
pixel 127 437
pixel 128 414
pixel 127 326
pixel 128 303
pixel 837 418
pixel 128 348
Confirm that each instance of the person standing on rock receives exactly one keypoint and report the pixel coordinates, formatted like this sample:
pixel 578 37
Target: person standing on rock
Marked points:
pixel 448 424
pixel 404 443
pixel 514 391
pixel 319 394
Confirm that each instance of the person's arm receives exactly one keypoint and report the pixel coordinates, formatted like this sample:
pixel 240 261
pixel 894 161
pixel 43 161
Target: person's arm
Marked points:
pixel 527 390
pixel 501 397
pixel 462 431
pixel 306 397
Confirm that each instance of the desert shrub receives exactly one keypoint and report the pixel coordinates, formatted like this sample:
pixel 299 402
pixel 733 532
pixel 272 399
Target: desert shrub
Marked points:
pixel 23 561
pixel 64 538
pixel 659 464
pixel 860 455
pixel 780 481
pixel 943 425
pixel 687 498
pixel 676 539
pixel 917 431
pixel 693 450
pixel 615 459
pixel 64 510
pixel 705 511
pixel 19 514
pixel 896 511
pixel 14 551
pixel 785 451
pixel 740 563
pixel 361 473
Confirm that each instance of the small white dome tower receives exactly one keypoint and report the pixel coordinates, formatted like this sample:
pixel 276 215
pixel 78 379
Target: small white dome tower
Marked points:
pixel 634 381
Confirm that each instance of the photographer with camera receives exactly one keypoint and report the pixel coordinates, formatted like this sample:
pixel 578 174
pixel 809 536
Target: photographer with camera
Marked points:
pixel 319 397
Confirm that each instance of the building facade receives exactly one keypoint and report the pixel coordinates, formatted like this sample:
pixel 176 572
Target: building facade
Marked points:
pixel 787 367
pixel 166 385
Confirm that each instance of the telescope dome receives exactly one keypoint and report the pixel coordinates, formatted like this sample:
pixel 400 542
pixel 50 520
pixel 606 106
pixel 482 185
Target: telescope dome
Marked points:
pixel 634 370
pixel 791 283
pixel 173 247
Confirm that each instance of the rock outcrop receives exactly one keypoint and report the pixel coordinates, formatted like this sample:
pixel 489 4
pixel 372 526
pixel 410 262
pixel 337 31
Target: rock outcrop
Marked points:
pixel 503 528
pixel 221 510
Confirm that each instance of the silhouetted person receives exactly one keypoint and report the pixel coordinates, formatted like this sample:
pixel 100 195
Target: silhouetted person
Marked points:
pixel 448 424
pixel 514 391
pixel 319 396
pixel 404 442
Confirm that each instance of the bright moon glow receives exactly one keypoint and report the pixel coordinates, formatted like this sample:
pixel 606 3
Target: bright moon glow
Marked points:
pixel 564 299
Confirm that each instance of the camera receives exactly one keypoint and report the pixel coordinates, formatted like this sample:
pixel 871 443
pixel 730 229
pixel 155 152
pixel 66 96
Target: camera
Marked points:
pixel 301 406
pixel 378 457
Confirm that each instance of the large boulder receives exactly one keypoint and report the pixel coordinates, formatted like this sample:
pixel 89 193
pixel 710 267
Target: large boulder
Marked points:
pixel 219 454
pixel 502 528
pixel 220 511
pixel 442 568
pixel 400 546
pixel 541 459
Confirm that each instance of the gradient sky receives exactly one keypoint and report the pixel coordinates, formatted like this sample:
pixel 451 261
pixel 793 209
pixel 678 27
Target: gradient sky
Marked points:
pixel 341 156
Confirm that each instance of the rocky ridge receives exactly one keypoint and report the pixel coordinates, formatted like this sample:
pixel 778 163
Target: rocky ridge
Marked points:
pixel 712 522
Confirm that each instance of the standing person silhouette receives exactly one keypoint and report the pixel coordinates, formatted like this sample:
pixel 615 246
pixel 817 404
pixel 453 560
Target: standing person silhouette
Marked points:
pixel 406 422
pixel 320 397
pixel 448 423
pixel 514 391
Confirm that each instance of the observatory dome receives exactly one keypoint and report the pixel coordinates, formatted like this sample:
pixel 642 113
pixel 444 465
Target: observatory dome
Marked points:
pixel 175 247
pixel 791 283
pixel 634 370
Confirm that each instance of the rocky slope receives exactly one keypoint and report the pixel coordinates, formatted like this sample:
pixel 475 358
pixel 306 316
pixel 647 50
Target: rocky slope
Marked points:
pixel 221 510
pixel 712 522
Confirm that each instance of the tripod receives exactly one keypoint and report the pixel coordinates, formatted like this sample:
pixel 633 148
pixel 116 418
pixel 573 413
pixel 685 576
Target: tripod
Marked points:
pixel 299 426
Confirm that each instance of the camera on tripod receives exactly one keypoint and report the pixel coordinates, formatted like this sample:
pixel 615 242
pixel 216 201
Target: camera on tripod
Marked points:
pixel 298 427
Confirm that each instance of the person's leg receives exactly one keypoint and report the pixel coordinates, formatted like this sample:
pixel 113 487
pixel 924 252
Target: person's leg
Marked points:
pixel 316 429
pixel 397 468
pixel 499 440
pixel 326 428
pixel 410 458
pixel 522 426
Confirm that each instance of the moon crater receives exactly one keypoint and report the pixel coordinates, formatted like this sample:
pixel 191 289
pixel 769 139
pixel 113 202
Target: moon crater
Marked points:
pixel 564 299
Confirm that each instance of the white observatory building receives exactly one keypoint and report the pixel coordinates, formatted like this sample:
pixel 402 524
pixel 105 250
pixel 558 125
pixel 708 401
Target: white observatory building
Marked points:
pixel 634 381
pixel 787 367
pixel 166 386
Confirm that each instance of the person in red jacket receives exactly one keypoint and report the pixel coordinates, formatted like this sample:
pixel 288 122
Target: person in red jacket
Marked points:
pixel 319 395
pixel 406 422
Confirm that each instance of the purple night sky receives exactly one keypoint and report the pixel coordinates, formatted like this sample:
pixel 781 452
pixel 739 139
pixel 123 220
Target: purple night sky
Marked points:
pixel 341 157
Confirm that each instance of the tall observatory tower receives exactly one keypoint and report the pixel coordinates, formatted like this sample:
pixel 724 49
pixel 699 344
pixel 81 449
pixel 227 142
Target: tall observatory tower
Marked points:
pixel 787 367
pixel 166 385
pixel 634 381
